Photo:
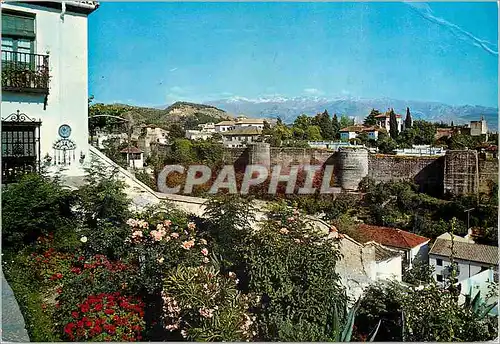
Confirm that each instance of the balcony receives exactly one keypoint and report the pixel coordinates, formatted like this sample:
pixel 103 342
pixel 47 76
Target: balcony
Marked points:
pixel 24 72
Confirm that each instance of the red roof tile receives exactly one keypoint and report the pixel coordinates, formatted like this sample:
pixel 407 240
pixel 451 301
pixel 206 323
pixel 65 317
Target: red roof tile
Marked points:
pixel 388 236
pixel 386 115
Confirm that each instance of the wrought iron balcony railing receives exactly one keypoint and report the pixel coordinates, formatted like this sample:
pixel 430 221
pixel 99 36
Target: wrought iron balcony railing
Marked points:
pixel 24 72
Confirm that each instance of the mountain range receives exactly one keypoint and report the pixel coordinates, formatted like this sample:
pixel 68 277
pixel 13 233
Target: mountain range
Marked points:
pixel 358 108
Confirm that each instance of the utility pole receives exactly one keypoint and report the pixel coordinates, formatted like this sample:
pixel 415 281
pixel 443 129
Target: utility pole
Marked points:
pixel 468 217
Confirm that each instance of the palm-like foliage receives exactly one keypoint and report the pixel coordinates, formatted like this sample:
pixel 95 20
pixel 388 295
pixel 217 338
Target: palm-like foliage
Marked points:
pixel 477 305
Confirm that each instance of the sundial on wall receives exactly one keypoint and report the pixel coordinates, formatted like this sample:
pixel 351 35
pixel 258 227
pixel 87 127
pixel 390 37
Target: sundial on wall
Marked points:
pixel 64 147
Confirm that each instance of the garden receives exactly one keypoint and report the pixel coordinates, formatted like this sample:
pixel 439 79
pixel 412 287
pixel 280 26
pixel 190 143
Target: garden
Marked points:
pixel 85 266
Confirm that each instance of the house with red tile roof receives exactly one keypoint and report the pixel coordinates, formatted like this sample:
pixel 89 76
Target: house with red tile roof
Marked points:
pixel 383 121
pixel 414 247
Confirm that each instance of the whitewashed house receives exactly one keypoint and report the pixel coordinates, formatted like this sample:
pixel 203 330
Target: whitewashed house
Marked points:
pixel 44 106
pixel 351 132
pixel 363 264
pixel 134 156
pixel 224 126
pixel 249 122
pixel 471 258
pixel 241 136
pixel 413 247
pixel 383 121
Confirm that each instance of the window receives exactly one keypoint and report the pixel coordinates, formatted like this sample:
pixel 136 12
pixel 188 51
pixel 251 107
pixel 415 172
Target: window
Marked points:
pixel 439 278
pixel 439 262
pixel 18 37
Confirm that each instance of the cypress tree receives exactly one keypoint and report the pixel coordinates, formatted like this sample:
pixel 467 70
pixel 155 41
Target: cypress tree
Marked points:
pixel 370 119
pixel 326 126
pixel 335 126
pixel 408 119
pixel 393 125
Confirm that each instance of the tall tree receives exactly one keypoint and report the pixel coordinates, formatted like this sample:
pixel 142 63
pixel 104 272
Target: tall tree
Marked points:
pixel 345 121
pixel 408 119
pixel 370 119
pixel 325 125
pixel 393 124
pixel 452 124
pixel 335 126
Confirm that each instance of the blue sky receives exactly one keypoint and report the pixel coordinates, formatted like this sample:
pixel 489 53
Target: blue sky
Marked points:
pixel 157 53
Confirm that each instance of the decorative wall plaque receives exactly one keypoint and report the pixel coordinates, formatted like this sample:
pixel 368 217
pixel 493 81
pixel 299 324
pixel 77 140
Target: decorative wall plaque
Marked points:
pixel 64 148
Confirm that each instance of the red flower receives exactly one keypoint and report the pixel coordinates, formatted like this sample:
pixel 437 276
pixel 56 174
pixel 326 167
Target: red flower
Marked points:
pixel 80 323
pixel 97 329
pixel 109 311
pixel 88 324
pixel 74 315
pixel 84 308
pixel 98 307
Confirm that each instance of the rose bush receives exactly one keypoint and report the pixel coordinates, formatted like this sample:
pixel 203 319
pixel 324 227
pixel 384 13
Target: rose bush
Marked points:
pixel 160 244
pixel 106 317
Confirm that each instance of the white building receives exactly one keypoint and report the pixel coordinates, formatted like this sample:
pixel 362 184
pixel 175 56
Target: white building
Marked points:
pixel 134 156
pixel 207 130
pixel 478 128
pixel 249 122
pixel 351 132
pixel 421 150
pixel 151 135
pixel 471 258
pixel 412 246
pixel 362 264
pixel 44 86
pixel 224 126
pixel 240 137
pixel 207 127
pixel 198 135
pixel 383 121
pixel 480 283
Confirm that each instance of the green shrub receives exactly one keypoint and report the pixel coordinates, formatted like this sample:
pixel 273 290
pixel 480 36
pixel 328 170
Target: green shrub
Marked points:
pixel 293 269
pixel 36 205
pixel 102 198
pixel 203 305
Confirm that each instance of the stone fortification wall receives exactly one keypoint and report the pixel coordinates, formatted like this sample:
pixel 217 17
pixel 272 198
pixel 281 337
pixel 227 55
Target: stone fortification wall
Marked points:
pixel 352 167
pixel 458 172
pixel 425 171
pixel 488 173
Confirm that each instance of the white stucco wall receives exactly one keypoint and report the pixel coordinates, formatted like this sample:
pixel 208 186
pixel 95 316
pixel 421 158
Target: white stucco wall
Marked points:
pixel 467 268
pixel 66 43
pixel 390 269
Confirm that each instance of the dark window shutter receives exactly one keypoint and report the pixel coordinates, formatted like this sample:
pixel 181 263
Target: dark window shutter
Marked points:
pixel 14 25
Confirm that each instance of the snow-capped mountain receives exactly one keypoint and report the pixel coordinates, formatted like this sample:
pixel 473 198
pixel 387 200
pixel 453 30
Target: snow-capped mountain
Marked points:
pixel 289 108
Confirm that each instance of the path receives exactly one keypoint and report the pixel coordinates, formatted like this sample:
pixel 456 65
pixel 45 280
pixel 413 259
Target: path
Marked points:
pixel 13 328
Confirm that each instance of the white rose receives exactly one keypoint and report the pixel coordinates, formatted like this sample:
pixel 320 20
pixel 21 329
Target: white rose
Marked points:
pixel 83 239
